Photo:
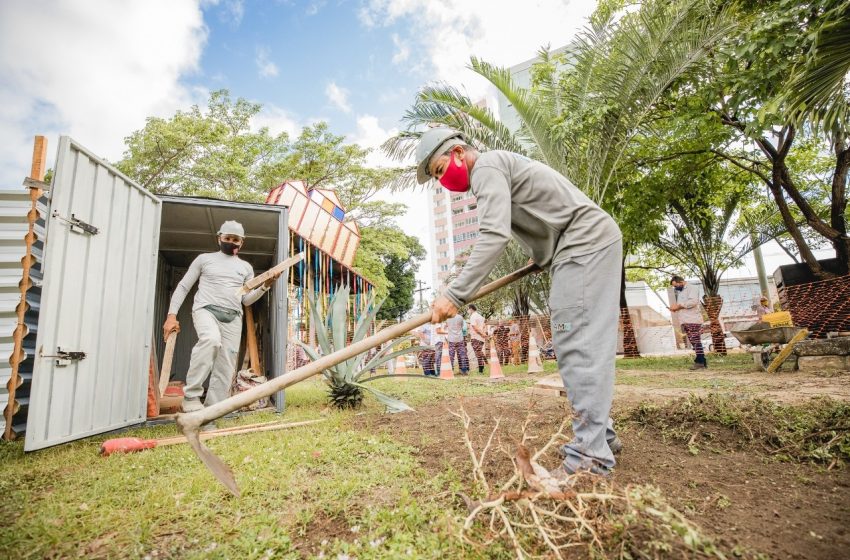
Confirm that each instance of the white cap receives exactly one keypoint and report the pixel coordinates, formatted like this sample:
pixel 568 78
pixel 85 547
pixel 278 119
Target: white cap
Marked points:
pixel 231 227
pixel 434 140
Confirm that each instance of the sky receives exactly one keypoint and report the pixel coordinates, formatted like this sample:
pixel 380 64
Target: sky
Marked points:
pixel 95 69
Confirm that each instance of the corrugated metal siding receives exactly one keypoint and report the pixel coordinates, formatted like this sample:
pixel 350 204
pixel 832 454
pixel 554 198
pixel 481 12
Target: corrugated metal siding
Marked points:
pixel 14 225
pixel 97 298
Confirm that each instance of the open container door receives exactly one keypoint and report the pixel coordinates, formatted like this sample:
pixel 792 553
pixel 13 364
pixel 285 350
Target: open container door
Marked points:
pixel 94 331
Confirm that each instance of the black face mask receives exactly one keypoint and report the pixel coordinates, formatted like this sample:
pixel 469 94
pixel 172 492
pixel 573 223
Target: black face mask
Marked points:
pixel 678 288
pixel 228 248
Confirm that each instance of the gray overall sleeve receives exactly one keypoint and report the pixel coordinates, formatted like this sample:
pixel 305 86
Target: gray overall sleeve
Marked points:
pixel 185 285
pixel 494 219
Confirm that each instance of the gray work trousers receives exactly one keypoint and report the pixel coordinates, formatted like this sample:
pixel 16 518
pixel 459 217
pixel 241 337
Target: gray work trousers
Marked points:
pixel 214 356
pixel 584 304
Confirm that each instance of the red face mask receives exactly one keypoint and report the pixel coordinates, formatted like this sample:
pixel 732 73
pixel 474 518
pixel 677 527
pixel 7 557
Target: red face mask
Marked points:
pixel 455 178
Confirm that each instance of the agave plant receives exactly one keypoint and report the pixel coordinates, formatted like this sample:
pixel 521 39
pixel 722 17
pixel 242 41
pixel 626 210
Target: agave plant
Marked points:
pixel 346 379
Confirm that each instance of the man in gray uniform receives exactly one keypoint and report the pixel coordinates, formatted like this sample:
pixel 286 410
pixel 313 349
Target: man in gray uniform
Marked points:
pixel 217 315
pixel 564 231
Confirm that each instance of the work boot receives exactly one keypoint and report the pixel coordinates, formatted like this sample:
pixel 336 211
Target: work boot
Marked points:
pixel 191 405
pixel 481 370
pixel 616 445
pixel 698 365
pixel 209 427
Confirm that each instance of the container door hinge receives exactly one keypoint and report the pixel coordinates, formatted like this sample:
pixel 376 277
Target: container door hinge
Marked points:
pixel 77 224
pixel 65 357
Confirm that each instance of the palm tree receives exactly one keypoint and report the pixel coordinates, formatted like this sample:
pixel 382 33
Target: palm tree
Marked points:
pixel 818 89
pixel 583 112
pixel 713 224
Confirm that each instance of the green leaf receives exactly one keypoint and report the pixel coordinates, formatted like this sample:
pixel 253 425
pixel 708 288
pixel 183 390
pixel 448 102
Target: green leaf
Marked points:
pixel 393 405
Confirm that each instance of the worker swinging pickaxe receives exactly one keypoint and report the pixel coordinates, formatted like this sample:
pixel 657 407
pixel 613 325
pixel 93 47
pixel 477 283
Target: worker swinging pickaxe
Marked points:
pixel 190 423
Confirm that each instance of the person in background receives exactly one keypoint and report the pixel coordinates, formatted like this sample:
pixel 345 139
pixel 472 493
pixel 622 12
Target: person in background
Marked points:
pixel 216 314
pixel 457 345
pixel 514 339
pixel 478 336
pixel 439 341
pixel 503 348
pixel 686 308
pixel 763 307
pixel 426 357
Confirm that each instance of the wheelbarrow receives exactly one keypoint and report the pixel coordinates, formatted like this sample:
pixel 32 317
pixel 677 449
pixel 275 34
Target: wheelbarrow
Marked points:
pixel 770 346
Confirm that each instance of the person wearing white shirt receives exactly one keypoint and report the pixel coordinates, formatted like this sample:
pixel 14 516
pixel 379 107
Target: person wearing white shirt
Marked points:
pixel 216 314
pixel 439 340
pixel 478 336
pixel 426 357
pixel 686 308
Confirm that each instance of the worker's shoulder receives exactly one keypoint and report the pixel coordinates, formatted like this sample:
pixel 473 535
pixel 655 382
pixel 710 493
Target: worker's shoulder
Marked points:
pixel 500 159
pixel 204 258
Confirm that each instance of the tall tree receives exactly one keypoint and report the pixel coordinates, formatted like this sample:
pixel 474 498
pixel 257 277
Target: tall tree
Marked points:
pixel 713 223
pixel 787 53
pixel 206 153
pixel 401 271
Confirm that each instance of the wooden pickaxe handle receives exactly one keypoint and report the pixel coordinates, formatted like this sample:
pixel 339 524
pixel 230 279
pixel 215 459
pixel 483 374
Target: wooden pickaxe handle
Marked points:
pixel 191 423
pixel 167 360
pixel 258 280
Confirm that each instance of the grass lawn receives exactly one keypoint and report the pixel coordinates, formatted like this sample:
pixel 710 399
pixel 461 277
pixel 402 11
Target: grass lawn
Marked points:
pixel 367 489
pixel 335 489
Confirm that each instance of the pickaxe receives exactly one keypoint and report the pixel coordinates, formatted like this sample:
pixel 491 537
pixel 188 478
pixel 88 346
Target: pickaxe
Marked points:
pixel 190 423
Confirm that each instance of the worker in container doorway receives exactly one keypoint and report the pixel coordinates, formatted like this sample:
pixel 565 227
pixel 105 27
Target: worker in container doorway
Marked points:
pixel 217 315
pixel 686 308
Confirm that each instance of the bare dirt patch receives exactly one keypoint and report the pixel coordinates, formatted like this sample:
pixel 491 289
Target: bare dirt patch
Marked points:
pixel 321 530
pixel 741 496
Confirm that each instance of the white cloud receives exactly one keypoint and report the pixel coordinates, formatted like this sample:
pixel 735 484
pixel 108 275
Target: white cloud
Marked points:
pixel 370 134
pixel 265 67
pixel 441 38
pixel 338 97
pixel 403 51
pixel 88 74
pixel 277 120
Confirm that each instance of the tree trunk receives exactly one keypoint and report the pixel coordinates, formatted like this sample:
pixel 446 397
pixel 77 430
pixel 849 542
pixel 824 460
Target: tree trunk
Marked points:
pixel 713 305
pixel 839 203
pixel 630 347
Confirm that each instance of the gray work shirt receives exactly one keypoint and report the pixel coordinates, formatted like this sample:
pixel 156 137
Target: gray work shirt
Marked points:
pixel 550 218
pixel 219 277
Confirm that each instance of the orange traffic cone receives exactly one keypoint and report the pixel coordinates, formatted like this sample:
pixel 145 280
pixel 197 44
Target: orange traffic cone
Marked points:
pixel 535 364
pixel 400 366
pixel 446 364
pixel 495 366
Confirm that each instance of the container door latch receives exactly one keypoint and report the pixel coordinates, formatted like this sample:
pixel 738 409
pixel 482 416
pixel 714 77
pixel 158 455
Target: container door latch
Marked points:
pixel 65 357
pixel 77 224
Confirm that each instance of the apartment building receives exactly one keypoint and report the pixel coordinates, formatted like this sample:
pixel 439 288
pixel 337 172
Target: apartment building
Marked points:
pixel 454 229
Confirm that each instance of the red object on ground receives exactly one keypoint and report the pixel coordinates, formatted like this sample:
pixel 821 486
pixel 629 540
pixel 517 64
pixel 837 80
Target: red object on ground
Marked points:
pixel 153 390
pixel 174 389
pixel 126 445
